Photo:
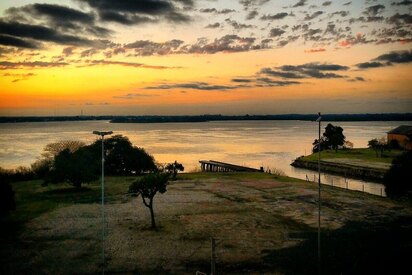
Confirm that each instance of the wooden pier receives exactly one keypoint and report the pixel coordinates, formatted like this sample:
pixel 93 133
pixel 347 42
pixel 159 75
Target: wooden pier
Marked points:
pixel 217 166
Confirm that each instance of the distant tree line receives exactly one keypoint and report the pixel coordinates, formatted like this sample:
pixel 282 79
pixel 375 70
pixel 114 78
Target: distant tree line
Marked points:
pixel 214 117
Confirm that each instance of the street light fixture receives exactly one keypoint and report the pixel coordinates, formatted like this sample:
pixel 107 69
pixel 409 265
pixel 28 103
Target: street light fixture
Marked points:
pixel 102 134
pixel 319 187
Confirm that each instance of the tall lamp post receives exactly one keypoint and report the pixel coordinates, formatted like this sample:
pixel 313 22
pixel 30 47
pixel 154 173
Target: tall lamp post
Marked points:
pixel 319 187
pixel 102 134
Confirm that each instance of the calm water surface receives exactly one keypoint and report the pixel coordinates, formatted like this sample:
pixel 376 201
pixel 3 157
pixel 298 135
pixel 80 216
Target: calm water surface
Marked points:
pixel 271 144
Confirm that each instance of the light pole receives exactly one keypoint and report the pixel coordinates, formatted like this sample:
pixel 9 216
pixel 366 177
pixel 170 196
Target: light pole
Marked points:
pixel 102 134
pixel 319 186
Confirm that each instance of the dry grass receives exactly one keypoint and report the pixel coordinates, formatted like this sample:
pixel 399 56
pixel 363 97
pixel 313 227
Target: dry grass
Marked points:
pixel 249 216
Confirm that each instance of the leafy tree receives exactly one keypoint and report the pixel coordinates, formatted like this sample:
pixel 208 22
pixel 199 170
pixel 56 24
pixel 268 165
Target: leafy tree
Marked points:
pixel 41 167
pixel 378 145
pixel 122 158
pixel 53 149
pixel 81 166
pixel 323 145
pixel 7 202
pixel 174 167
pixel 332 138
pixel 147 187
pixel 398 180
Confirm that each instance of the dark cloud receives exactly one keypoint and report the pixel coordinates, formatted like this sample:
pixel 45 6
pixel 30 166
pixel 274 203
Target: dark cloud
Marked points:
pixel 213 26
pixel 134 95
pixel 4 65
pixel 276 32
pixel 137 12
pixel 367 65
pixel 355 40
pixel 251 15
pixel 357 79
pixel 312 34
pixel 326 3
pixel 125 64
pixel 341 13
pixel 229 43
pixel 373 11
pixel 241 80
pixel 146 47
pixel 400 19
pixel 268 82
pixel 8 40
pixel 125 19
pixel 301 3
pixel 388 60
pixel 277 16
pixel 402 3
pixel 193 85
pixel 68 51
pixel 252 3
pixel 396 57
pixel 313 15
pixel 213 10
pixel 41 33
pixel 57 17
pixel 308 70
pixel 238 26
pixel 347 3
pixel 19 77
pixel 289 39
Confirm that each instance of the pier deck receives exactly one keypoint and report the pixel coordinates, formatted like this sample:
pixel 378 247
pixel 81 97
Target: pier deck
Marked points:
pixel 218 166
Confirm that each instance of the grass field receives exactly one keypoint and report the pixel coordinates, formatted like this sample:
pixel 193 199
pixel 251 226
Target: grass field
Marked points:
pixel 263 223
pixel 362 154
pixel 362 157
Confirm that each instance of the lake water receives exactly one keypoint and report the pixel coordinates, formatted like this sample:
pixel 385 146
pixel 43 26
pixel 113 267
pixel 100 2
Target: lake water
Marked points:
pixel 271 144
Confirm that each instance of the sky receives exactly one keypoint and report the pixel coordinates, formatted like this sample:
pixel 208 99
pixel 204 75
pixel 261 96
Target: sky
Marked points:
pixel 189 57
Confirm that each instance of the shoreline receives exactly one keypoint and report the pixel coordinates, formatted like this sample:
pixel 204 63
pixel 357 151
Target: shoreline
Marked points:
pixel 345 170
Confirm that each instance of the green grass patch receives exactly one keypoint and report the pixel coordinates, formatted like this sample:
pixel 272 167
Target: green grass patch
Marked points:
pixel 364 154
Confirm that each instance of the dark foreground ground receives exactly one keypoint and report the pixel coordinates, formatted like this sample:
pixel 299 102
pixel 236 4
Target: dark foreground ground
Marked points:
pixel 263 223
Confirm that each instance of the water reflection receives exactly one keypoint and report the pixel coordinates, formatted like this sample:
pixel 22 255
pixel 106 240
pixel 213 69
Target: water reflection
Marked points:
pixel 271 144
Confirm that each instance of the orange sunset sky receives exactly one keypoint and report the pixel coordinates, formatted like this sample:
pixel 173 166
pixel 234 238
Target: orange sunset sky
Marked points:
pixel 148 57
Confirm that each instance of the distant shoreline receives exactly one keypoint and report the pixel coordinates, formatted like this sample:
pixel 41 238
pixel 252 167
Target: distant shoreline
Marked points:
pixel 209 118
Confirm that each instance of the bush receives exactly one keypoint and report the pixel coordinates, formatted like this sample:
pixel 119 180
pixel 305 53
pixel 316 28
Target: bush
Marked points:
pixel 398 180
pixel 7 202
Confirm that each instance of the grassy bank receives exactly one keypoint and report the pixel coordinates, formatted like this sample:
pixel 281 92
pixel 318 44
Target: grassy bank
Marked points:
pixel 361 163
pixel 264 224
pixel 364 155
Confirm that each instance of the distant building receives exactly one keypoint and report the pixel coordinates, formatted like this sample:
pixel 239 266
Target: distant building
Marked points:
pixel 403 135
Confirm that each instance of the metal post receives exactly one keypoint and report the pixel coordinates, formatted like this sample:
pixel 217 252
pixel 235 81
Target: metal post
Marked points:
pixel 103 217
pixel 102 134
pixel 213 258
pixel 319 202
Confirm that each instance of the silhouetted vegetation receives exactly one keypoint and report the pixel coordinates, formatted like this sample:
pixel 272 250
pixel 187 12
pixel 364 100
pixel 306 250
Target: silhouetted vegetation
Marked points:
pixel 7 202
pixel 21 173
pixel 122 158
pixel 218 117
pixel 378 145
pixel 77 163
pixel 80 166
pixel 174 167
pixel 147 187
pixel 398 180
pixel 332 138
